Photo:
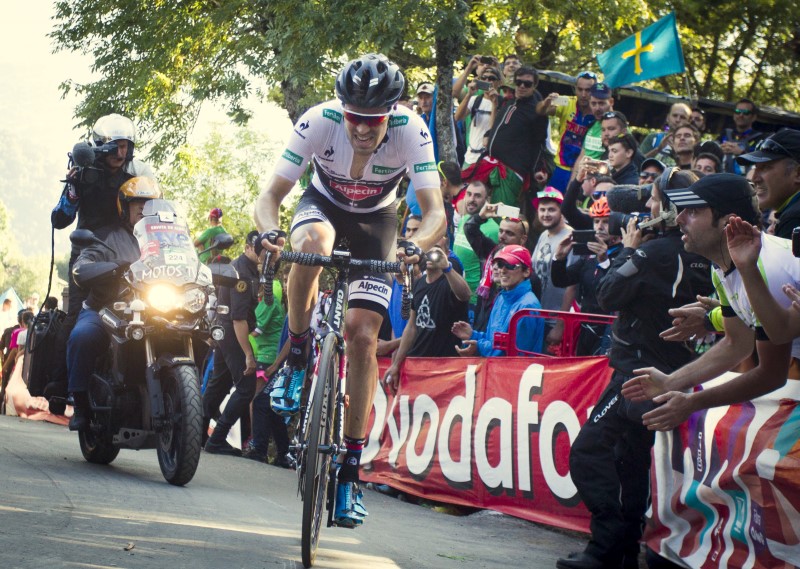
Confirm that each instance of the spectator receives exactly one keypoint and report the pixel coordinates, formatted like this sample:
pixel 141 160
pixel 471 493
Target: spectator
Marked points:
pixel 8 331
pixel 621 150
pixel 657 144
pixel 698 120
pixel 425 100
pixel 512 264
pixel 601 101
pixel 707 163
pixel 478 109
pixel 777 178
pixel 264 339
pixel 612 124
pixel 510 65
pixel 652 168
pixel 204 240
pixel 742 138
pixel 474 201
pixel 548 208
pixel 581 196
pixel 440 300
pixel 575 117
pixel 50 303
pixel 234 360
pixel 450 175
pixel 610 458
pixel 15 347
pixel 516 142
pixel 476 66
pixel 511 232
pixel 684 139
pixel 708 207
pixel 586 272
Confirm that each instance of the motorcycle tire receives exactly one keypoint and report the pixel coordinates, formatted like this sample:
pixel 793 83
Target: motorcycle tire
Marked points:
pixel 181 438
pixel 97 448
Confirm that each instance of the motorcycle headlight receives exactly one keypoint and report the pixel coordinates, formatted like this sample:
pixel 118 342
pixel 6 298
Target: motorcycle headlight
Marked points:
pixel 164 297
pixel 194 300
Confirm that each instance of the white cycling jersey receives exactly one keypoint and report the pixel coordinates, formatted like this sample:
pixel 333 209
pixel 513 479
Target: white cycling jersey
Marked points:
pixel 777 266
pixel 320 136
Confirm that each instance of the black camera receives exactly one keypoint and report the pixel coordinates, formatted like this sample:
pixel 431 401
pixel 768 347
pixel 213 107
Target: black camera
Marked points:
pixel 796 241
pixel 618 221
pixel 84 155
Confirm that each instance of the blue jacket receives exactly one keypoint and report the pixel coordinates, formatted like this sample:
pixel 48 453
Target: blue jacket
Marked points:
pixel 530 331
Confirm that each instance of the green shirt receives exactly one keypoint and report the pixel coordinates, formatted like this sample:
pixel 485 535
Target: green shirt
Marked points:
pixel 205 240
pixel 269 321
pixel 468 258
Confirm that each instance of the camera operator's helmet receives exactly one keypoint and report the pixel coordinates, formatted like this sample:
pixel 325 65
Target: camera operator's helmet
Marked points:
pixel 138 188
pixel 370 82
pixel 115 127
pixel 600 208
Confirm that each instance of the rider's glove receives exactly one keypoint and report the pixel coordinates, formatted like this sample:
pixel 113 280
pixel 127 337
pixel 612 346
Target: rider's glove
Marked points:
pixel 271 236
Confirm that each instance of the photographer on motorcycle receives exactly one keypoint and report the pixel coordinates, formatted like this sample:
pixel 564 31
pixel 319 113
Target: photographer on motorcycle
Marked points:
pixel 89 339
pixel 90 194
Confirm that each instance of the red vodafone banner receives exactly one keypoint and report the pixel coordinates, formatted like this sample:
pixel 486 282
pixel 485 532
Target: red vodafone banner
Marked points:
pixel 492 433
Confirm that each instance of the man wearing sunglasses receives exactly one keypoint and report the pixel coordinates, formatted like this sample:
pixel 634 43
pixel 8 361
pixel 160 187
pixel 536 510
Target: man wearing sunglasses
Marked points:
pixel 777 178
pixel 574 119
pixel 742 138
pixel 361 145
pixel 516 142
pixel 478 109
pixel 658 144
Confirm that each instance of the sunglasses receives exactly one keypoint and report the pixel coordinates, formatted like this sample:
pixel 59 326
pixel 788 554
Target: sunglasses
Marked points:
pixel 769 145
pixel 743 112
pixel 501 264
pixel 369 120
pixel 523 83
pixel 587 75
pixel 599 194
pixel 649 175
pixel 488 78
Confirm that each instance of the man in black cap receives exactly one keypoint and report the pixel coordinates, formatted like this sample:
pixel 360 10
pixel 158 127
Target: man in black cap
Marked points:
pixel 707 207
pixel 234 361
pixel 777 178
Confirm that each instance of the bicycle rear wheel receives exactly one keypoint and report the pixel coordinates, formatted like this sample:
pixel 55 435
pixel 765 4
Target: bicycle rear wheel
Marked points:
pixel 319 454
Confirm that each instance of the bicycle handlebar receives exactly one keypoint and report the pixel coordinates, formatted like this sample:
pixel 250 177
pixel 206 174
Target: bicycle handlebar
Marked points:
pixel 313 259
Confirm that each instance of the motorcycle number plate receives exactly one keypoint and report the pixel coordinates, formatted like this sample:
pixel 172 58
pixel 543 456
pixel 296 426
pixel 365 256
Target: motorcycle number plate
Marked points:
pixel 166 216
pixel 175 258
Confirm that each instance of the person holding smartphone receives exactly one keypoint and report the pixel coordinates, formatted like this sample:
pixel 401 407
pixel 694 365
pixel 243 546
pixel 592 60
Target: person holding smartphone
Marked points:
pixel 478 110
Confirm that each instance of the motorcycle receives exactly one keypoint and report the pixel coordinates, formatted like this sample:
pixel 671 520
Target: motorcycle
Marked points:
pixel 145 392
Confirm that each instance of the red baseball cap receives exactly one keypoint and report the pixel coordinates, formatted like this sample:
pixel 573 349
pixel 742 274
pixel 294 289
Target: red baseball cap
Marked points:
pixel 515 254
pixel 216 212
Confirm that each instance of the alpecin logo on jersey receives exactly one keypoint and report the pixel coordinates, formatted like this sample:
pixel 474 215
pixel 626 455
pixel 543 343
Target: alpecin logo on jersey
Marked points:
pixel 398 121
pixel 383 170
pixel 300 128
pixel 425 167
pixel 335 116
pixel 355 192
pixel 292 157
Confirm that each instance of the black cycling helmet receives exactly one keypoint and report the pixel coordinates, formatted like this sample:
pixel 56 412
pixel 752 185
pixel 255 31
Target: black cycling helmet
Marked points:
pixel 370 82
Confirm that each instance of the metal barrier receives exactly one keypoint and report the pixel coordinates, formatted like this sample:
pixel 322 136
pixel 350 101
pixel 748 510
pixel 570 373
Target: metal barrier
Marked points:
pixel 507 341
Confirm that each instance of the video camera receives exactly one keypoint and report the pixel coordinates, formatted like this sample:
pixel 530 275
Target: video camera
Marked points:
pixel 628 202
pixel 84 155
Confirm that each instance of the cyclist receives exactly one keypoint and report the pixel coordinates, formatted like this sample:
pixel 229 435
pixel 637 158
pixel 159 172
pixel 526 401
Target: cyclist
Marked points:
pixel 361 146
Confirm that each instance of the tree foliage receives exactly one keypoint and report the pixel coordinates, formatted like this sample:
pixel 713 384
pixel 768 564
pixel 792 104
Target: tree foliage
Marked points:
pixel 160 60
pixel 25 274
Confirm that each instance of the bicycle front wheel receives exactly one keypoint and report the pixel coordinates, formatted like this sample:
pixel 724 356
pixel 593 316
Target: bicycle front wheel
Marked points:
pixel 319 453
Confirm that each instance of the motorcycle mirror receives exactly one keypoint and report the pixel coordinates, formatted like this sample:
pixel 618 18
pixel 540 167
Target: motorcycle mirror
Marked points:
pixel 84 237
pixel 223 274
pixel 222 241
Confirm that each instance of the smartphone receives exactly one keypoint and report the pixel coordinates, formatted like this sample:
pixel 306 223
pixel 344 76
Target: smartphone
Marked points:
pixel 561 101
pixel 509 211
pixel 487 59
pixel 580 237
pixel 796 241
pixel 483 85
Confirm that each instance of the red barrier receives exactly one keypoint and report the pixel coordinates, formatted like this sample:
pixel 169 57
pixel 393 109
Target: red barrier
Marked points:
pixel 492 433
pixel 572 324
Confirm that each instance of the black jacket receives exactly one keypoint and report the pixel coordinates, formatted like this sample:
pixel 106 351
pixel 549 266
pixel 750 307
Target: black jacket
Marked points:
pixel 643 284
pixel 789 218
pixel 569 207
pixel 243 298
pixel 586 273
pixel 518 136
pixel 627 175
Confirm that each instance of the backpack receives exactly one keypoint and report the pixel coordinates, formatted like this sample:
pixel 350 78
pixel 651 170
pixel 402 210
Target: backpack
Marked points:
pixel 40 344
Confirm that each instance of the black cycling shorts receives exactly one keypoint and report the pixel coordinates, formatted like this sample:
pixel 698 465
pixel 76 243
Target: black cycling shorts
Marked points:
pixel 366 235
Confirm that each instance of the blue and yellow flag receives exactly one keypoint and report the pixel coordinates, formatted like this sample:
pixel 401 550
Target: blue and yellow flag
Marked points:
pixel 653 52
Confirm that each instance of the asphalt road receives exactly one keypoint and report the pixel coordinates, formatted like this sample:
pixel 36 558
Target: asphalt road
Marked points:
pixel 56 510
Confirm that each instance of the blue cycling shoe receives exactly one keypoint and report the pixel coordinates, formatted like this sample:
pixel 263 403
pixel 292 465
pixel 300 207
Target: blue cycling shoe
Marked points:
pixel 286 390
pixel 349 511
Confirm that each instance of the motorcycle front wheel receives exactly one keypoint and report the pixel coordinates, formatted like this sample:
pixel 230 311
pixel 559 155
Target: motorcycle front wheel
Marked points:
pixel 180 439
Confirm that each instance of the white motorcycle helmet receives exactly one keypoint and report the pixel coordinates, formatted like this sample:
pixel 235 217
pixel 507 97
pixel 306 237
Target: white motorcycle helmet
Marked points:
pixel 115 127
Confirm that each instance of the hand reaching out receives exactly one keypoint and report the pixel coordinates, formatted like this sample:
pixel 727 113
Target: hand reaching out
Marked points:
pixel 744 242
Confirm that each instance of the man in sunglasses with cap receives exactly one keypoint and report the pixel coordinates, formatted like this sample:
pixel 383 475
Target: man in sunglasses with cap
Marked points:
pixel 777 178
pixel 741 139
pixel 361 144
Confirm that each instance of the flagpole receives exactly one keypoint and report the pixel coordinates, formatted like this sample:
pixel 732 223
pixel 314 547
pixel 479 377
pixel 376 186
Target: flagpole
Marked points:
pixel 688 87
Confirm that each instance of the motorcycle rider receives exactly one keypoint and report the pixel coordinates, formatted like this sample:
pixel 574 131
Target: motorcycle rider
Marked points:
pixel 90 194
pixel 234 361
pixel 89 339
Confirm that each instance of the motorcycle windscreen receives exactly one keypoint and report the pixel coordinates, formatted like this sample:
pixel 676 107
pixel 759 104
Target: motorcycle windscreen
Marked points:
pixel 167 250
